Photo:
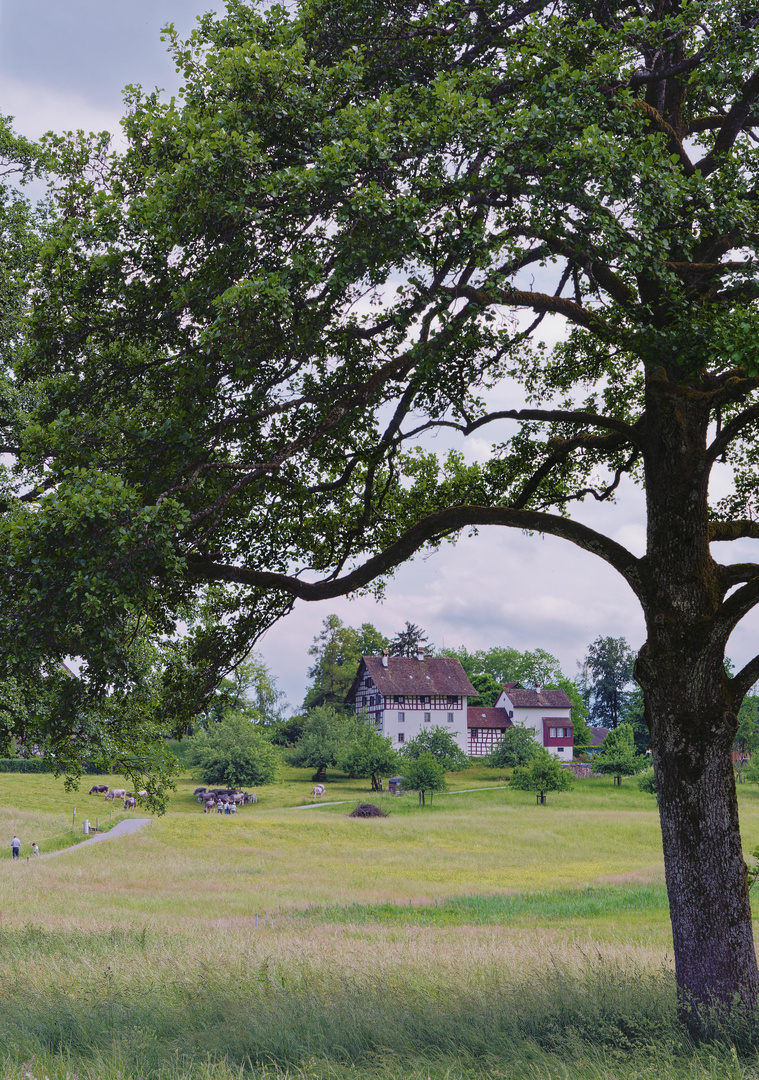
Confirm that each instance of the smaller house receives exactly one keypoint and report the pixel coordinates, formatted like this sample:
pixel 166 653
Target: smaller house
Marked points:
pixel 547 712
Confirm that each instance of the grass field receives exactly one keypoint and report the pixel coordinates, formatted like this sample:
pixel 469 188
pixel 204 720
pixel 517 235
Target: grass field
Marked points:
pixel 479 936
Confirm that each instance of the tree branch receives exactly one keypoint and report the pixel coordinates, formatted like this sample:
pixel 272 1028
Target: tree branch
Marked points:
pixel 746 677
pixel 434 526
pixel 733 530
pixel 556 305
pixel 733 125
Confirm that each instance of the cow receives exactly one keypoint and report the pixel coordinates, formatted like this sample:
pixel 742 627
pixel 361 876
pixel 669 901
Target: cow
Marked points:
pixel 318 790
pixel 98 789
pixel 199 790
pixel 130 802
pixel 116 793
pixel 143 794
pixel 209 806
pixel 250 797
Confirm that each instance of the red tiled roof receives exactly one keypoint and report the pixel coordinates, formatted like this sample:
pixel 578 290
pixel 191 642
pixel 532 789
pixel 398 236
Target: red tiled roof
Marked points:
pixel 598 734
pixel 531 699
pixel 406 675
pixel 478 717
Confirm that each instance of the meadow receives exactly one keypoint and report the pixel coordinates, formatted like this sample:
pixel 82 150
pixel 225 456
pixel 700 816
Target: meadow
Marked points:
pixel 481 936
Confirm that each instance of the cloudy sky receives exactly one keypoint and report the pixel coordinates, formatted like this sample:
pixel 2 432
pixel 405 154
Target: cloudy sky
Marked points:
pixel 63 65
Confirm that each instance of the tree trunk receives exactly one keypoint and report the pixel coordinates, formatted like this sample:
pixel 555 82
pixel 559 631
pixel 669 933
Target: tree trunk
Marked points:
pixel 715 961
pixel 692 716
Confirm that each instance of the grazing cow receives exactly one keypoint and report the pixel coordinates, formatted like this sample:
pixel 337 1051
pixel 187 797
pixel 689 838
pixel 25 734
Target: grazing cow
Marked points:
pixel 209 806
pixel 130 802
pixel 98 789
pixel 116 793
pixel 238 798
pixel 143 794
pixel 199 790
pixel 251 797
pixel 318 790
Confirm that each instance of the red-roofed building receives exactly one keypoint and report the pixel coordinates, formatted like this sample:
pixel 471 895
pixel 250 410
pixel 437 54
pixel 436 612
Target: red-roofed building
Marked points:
pixel 405 695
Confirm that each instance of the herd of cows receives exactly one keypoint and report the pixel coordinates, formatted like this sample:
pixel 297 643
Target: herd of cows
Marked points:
pixel 130 800
pixel 209 799
pixel 215 797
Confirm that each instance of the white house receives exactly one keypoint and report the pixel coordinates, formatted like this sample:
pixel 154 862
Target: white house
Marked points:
pixel 547 712
pixel 404 695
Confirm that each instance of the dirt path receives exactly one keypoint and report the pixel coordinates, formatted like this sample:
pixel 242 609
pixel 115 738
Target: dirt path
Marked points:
pixel 123 828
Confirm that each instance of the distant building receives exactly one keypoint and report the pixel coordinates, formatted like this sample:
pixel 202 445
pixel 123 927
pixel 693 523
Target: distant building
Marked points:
pixel 404 696
pixel 547 712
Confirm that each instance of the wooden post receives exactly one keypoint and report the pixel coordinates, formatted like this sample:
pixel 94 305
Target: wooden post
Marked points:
pixel 73 820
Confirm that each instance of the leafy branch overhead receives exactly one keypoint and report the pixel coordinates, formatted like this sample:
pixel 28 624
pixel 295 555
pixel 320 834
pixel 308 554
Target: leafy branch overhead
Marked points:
pixel 349 233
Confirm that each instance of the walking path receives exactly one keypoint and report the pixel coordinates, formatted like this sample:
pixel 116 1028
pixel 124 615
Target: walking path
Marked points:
pixel 122 828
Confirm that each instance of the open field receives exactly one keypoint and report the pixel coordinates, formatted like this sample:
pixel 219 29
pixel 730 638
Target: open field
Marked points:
pixel 480 936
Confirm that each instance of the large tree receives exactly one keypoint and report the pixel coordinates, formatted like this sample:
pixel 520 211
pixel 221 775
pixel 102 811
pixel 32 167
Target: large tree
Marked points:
pixel 312 259
pixel 606 673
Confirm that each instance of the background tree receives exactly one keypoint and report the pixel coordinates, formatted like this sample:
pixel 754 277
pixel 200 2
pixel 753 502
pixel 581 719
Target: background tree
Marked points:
pixel 488 689
pixel 634 714
pixel 441 744
pixel 369 755
pixel 338 650
pixel 542 773
pixel 250 689
pixel 618 756
pixel 218 409
pixel 234 752
pixel 606 673
pixel 517 747
pixel 424 773
pixel 326 735
pixel 407 641
pixel 505 664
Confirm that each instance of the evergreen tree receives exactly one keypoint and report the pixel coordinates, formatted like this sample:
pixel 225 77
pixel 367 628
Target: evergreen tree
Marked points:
pixel 409 640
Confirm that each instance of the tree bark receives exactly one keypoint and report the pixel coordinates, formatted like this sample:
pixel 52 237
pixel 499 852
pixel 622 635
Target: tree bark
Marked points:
pixel 692 715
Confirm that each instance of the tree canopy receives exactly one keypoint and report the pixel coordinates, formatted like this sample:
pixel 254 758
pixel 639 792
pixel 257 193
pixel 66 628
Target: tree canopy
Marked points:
pixel 234 752
pixel 619 756
pixel 541 774
pixel 338 240
pixel 607 671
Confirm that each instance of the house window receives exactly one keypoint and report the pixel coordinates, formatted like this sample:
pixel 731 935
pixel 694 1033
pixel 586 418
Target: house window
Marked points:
pixel 449 717
pixel 401 717
pixel 426 718
pixel 425 700
pixel 400 736
pixel 560 749
pixel 452 699
pixel 552 733
pixel 399 699
pixel 368 681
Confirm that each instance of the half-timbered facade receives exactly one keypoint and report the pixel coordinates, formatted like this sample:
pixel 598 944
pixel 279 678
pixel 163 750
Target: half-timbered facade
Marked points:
pixel 405 695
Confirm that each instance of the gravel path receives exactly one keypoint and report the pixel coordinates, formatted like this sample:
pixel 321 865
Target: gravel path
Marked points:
pixel 123 828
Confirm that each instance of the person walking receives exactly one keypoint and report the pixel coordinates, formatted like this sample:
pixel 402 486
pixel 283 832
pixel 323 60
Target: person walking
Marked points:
pixel 35 849
pixel 15 846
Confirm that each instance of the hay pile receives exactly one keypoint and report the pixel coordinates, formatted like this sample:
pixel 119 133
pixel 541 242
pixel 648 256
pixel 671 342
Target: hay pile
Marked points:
pixel 368 809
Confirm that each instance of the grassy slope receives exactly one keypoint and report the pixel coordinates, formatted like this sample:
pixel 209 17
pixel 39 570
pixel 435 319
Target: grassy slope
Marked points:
pixel 481 935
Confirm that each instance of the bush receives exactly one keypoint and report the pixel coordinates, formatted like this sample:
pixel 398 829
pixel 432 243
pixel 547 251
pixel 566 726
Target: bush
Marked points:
pixel 647 782
pixel 518 746
pixel 443 747
pixel 544 773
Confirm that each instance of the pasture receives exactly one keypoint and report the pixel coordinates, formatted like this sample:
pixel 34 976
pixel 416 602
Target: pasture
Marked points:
pixel 480 936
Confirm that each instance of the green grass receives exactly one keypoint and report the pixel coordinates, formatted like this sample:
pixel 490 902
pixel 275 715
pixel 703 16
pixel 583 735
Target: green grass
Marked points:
pixel 482 936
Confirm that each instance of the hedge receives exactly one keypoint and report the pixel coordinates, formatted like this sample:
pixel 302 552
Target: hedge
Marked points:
pixel 39 765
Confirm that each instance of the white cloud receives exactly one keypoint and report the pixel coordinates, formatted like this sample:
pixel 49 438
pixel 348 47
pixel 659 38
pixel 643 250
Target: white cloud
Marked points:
pixel 38 109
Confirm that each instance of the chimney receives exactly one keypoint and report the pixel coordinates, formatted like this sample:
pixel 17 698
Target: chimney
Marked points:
pixel 420 653
pixel 385 654
pixel 538 688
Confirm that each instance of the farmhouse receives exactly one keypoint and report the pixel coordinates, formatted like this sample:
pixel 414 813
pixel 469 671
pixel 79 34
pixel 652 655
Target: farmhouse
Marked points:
pixel 404 695
pixel 547 712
